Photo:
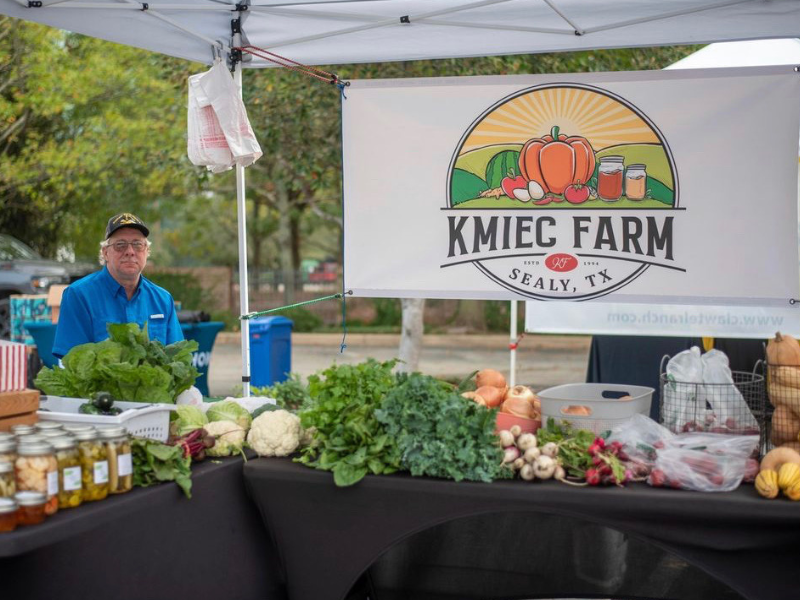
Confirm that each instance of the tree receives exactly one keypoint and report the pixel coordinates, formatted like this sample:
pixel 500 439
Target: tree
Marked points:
pixel 87 129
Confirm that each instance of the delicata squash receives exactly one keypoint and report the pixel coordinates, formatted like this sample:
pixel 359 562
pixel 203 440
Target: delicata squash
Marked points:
pixel 780 470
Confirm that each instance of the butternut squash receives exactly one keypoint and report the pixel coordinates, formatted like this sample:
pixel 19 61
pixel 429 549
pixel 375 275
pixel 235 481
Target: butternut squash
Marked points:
pixel 788 376
pixel 783 350
pixel 767 483
pixel 788 475
pixel 784 395
pixel 785 425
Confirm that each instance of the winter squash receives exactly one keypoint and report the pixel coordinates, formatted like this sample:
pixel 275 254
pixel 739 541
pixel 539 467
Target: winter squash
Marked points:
pixel 783 350
pixel 556 161
pixel 785 425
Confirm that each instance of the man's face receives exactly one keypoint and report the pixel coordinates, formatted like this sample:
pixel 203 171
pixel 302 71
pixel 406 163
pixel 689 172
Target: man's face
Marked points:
pixel 125 265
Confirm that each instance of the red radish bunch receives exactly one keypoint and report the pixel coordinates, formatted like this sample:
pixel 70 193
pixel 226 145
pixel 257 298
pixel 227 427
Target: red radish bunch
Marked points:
pixel 607 464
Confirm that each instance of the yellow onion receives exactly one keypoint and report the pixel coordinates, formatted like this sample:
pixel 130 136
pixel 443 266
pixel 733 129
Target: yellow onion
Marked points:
pixel 490 377
pixel 519 407
pixel 474 397
pixel 492 396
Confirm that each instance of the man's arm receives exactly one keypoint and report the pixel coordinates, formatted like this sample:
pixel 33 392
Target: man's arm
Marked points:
pixel 174 331
pixel 74 324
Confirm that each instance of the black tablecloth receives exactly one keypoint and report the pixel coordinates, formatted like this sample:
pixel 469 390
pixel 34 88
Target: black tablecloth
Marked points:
pixel 328 537
pixel 149 544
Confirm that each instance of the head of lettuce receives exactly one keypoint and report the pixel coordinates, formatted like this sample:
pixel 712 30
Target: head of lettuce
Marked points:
pixel 128 365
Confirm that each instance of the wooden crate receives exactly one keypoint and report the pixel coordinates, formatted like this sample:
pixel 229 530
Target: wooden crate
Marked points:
pixel 18 408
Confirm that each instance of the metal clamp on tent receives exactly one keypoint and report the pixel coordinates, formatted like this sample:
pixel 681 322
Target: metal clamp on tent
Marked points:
pixel 34 4
pixel 145 6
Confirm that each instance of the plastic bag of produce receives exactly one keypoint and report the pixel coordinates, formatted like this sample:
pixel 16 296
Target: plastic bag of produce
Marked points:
pixel 730 412
pixel 700 471
pixel 716 443
pixel 640 437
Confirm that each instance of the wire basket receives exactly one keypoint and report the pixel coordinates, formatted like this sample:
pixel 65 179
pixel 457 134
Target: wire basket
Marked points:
pixel 783 410
pixel 735 409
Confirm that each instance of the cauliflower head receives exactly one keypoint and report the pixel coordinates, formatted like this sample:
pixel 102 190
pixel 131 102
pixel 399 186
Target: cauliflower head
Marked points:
pixel 229 438
pixel 275 433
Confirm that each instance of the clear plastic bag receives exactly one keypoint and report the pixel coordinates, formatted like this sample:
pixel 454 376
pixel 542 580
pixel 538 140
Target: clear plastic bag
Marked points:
pixel 700 471
pixel 716 443
pixel 641 437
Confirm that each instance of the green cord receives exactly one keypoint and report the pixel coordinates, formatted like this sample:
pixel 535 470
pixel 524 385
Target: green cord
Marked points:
pixel 260 313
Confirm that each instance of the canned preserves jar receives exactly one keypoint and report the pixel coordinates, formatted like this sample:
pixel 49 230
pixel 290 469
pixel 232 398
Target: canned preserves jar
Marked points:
pixel 8 481
pixel 43 426
pixel 33 438
pixel 37 471
pixel 8 450
pixel 8 514
pixel 94 466
pixel 70 487
pixel 120 459
pixel 31 508
pixel 74 428
pixel 20 430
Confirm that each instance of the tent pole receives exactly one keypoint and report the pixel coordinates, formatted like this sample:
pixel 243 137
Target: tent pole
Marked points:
pixel 241 210
pixel 513 345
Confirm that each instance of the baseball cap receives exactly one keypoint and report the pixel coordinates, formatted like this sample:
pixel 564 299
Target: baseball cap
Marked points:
pixel 125 220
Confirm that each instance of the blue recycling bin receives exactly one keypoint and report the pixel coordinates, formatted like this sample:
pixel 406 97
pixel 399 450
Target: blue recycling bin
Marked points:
pixel 43 334
pixel 204 334
pixel 270 350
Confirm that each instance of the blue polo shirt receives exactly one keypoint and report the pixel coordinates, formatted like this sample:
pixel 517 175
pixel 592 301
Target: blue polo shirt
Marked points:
pixel 97 299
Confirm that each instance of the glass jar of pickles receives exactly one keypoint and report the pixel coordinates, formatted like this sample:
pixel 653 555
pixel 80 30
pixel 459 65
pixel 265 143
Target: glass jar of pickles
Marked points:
pixel 70 485
pixel 8 481
pixel 43 426
pixel 37 471
pixel 94 466
pixel 8 450
pixel 120 459
pixel 8 514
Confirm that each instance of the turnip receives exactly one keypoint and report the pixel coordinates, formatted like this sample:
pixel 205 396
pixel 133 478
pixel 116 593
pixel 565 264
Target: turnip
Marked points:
pixel 518 464
pixel 511 454
pixel 526 441
pixel 506 438
pixel 516 431
pixel 531 454
pixel 550 449
pixel 526 472
pixel 544 467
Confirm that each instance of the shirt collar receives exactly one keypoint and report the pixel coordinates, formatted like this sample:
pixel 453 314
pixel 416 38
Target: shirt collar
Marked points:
pixel 114 286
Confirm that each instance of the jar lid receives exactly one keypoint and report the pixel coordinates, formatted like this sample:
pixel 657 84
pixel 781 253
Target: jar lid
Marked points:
pixel 54 433
pixel 35 449
pixel 6 467
pixel 6 435
pixel 8 445
pixel 33 438
pixel 7 505
pixel 112 432
pixel 614 159
pixel 22 429
pixel 65 442
pixel 637 167
pixel 76 427
pixel 30 498
pixel 86 436
pixel 48 425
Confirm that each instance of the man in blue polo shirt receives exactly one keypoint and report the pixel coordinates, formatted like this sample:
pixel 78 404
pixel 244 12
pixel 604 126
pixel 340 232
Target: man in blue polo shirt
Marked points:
pixel 117 294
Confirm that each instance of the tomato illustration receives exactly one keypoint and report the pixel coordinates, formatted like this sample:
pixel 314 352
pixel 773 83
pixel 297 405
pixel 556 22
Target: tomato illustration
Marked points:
pixel 576 193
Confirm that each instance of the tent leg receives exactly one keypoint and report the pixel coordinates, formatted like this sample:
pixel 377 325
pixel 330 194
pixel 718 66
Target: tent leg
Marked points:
pixel 513 345
pixel 244 289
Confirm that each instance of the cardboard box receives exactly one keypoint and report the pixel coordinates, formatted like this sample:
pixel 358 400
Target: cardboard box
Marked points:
pixel 13 366
pixel 18 408
pixel 54 300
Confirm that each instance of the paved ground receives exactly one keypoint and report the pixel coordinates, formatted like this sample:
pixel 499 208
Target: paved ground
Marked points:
pixel 542 361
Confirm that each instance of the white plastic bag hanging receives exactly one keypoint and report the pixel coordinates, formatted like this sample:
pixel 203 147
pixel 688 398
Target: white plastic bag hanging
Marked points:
pixel 681 402
pixel 220 135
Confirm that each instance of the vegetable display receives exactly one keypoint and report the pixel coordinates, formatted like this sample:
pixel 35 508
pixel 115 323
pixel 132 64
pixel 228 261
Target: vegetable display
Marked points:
pixel 229 438
pixel 780 471
pixel 290 394
pixel 439 434
pixel 128 366
pixel 275 433
pixel 229 411
pixel 349 440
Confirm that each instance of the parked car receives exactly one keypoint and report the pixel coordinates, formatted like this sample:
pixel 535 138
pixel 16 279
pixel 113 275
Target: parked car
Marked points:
pixel 24 271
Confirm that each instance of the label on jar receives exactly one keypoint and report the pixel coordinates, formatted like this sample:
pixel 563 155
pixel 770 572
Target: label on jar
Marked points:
pixel 52 483
pixel 124 464
pixel 72 479
pixel 101 472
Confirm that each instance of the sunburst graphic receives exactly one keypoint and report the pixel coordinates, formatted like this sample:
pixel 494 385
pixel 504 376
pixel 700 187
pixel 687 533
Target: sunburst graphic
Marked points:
pixel 600 119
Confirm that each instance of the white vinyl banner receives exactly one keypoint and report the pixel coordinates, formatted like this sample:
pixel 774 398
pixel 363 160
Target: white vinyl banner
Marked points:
pixel 600 318
pixel 660 187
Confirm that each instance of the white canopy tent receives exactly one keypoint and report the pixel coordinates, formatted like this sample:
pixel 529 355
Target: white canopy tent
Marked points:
pixel 355 31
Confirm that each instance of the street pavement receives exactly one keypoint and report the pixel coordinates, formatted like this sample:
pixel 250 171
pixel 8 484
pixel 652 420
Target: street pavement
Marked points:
pixel 542 360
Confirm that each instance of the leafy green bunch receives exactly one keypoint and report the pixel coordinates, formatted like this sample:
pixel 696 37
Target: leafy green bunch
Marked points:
pixel 128 365
pixel 439 433
pixel 348 439
pixel 290 394
pixel 154 462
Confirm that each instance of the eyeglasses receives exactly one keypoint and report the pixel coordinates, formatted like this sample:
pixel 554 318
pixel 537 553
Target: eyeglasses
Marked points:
pixel 122 245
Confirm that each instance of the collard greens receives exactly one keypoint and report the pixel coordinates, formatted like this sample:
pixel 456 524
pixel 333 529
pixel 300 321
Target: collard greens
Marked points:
pixel 128 365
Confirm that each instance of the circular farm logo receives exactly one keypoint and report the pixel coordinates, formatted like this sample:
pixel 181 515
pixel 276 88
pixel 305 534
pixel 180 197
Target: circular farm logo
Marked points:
pixel 562 191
